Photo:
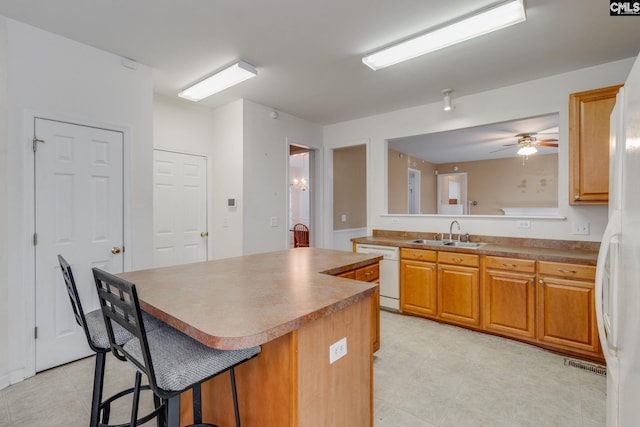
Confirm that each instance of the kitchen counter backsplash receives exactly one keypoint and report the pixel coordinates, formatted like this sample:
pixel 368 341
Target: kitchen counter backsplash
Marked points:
pixel 568 251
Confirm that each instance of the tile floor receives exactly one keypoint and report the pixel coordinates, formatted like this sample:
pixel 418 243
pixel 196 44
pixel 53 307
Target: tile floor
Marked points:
pixel 426 375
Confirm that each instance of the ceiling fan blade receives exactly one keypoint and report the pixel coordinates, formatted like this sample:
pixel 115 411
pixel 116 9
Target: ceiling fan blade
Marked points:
pixel 546 144
pixel 501 149
pixel 509 145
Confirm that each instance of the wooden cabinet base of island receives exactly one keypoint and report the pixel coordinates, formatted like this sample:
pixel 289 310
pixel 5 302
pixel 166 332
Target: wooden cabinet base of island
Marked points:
pixel 370 273
pixel 292 384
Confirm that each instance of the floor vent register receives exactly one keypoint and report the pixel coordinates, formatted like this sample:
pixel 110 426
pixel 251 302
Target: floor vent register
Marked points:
pixel 587 366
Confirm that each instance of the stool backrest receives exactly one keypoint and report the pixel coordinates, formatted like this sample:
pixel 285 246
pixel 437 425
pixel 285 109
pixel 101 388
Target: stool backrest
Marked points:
pixel 76 304
pixel 120 305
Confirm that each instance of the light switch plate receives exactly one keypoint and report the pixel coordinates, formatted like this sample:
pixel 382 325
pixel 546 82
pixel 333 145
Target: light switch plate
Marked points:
pixel 580 228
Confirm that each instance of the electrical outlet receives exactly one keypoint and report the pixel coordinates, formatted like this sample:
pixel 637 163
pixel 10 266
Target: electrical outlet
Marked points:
pixel 580 228
pixel 395 220
pixel 337 350
pixel 523 223
pixel 343 217
pixel 274 221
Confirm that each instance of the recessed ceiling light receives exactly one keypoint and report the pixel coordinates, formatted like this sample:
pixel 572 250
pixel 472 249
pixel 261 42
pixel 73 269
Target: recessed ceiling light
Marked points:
pixel 230 76
pixel 481 22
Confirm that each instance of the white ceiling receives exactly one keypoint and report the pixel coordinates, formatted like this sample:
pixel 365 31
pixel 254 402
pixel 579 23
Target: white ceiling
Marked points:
pixel 308 53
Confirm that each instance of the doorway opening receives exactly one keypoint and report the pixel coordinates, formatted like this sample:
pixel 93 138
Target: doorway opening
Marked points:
pixel 452 193
pixel 414 191
pixel 301 159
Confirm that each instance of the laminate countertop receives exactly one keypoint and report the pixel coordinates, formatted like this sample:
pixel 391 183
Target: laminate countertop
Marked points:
pixel 245 301
pixel 564 251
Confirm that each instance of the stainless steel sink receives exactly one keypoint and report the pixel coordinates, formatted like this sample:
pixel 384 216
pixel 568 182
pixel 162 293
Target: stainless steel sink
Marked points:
pixel 468 245
pixel 427 242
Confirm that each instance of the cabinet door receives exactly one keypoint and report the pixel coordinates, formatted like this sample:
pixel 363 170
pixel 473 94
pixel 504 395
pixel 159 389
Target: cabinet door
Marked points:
pixel 459 294
pixel 589 117
pixel 509 303
pixel 566 314
pixel 418 288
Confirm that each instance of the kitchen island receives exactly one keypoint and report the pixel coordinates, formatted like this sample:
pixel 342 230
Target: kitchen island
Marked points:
pixel 293 305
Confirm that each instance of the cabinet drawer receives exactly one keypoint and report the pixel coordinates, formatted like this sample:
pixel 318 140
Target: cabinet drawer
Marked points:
pixel 511 264
pixel 456 258
pixel 574 271
pixel 418 254
pixel 369 273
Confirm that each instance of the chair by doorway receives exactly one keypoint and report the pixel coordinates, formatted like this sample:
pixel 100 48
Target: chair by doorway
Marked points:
pixel 300 236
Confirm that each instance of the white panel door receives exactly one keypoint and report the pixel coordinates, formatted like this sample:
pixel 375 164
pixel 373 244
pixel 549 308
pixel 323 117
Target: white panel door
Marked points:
pixel 79 214
pixel 179 208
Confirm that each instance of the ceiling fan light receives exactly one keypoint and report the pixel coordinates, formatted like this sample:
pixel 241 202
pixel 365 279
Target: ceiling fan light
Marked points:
pixel 527 150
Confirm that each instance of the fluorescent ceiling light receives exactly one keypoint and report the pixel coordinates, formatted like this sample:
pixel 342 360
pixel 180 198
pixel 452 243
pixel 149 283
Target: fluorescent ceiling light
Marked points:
pixel 482 22
pixel 220 81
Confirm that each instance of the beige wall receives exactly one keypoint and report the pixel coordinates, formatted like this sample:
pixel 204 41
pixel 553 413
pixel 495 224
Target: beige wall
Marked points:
pixel 350 187
pixel 510 183
pixel 398 166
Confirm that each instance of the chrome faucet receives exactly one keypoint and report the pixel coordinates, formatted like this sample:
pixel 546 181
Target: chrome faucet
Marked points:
pixel 451 229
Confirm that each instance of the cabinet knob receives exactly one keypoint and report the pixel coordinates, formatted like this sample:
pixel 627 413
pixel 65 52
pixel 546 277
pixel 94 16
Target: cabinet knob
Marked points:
pixel 562 270
pixel 541 281
pixel 531 280
pixel 576 196
pixel 504 264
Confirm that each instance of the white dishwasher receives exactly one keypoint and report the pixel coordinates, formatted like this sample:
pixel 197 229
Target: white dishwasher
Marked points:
pixel 389 273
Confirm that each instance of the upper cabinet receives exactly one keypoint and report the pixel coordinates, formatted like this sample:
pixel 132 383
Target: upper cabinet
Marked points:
pixel 589 115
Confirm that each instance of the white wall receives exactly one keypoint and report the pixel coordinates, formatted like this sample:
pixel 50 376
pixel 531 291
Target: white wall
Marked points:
pixel 248 157
pixel 266 165
pixel 51 76
pixel 523 100
pixel 4 224
pixel 217 134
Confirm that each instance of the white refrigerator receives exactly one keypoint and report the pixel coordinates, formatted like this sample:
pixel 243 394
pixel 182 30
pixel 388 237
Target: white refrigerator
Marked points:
pixel 618 270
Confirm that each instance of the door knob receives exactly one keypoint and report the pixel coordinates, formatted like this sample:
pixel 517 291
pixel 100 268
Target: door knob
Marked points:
pixel 204 234
pixel 115 250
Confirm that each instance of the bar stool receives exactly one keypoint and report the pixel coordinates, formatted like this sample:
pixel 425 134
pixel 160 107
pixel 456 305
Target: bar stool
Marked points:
pixel 95 331
pixel 172 361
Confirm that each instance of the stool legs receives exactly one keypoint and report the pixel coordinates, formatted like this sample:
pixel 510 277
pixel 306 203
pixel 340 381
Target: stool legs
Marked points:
pixel 232 375
pixel 96 399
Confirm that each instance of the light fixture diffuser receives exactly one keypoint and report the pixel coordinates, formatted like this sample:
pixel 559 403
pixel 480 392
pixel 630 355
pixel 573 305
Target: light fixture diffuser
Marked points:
pixel 484 21
pixel 230 76
pixel 447 106
pixel 527 150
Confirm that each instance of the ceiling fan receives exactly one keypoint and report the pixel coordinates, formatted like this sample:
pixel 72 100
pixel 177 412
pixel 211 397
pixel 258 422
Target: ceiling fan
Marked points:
pixel 527 143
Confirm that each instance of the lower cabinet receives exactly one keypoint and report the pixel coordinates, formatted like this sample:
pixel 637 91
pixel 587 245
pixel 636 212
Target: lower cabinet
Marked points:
pixel 509 297
pixel 418 293
pixel 370 273
pixel 459 288
pixel 544 303
pixel 566 311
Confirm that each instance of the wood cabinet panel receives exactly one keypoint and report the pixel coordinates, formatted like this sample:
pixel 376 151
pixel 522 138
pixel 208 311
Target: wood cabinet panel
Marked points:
pixel 509 303
pixel 510 264
pixel 418 254
pixel 457 258
pixel 418 288
pixel 459 294
pixel 571 271
pixel 589 116
pixel 566 314
pixel 369 273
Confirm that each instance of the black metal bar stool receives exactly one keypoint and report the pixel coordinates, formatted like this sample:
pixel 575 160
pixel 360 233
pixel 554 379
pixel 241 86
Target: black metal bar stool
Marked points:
pixel 172 361
pixel 96 333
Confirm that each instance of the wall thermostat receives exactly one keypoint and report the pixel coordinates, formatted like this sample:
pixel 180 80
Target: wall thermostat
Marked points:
pixel 232 203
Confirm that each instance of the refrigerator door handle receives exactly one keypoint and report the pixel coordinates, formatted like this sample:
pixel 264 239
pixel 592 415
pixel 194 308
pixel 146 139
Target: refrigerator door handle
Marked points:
pixel 610 233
